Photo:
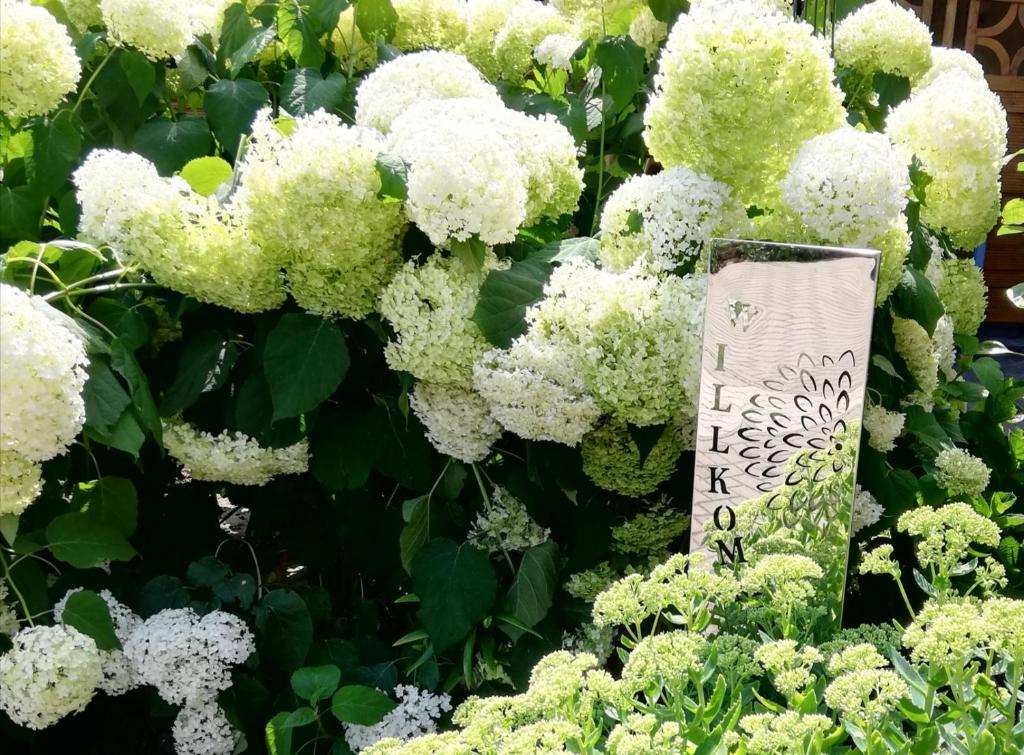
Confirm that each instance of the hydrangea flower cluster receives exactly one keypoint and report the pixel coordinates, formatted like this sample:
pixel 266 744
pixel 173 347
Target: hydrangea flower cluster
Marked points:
pixel 957 127
pixel 83 14
pixel 119 675
pixel 42 380
pixel 161 30
pixel 964 294
pixel 882 36
pixel 202 728
pixel 457 420
pixel 9 621
pixel 556 51
pixel 919 352
pixel 484 19
pixel 231 457
pixel 960 472
pixel 415 715
pixel 883 427
pixel 784 72
pixel 665 221
pixel 611 458
pixel 310 198
pixel 528 23
pixel 187 242
pixel 49 673
pixel 38 63
pixel 951 59
pixel 429 24
pixel 505 525
pixel 866 511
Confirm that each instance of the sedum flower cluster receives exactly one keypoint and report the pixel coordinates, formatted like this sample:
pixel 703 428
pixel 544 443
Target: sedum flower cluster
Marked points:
pixel 231 457
pixel 415 715
pixel 158 29
pixel 38 63
pixel 506 525
pixel 42 380
pixel 946 535
pixel 883 36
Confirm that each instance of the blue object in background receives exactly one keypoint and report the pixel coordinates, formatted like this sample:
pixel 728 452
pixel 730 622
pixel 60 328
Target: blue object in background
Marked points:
pixel 979 254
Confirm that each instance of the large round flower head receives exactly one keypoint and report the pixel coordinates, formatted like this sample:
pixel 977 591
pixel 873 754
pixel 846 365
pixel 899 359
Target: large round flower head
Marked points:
pixel 457 420
pixel 611 458
pixel 882 36
pixel 666 220
pixel 634 338
pixel 349 43
pixel 21 482
pixel 159 29
pixel 534 390
pixel 311 200
pixel 188 658
pixel 430 306
pixel 464 179
pixel 951 59
pixel 49 673
pixel 430 75
pixel 231 457
pixel 847 186
pixel 118 675
pixel 544 147
pixel 83 14
pixel 202 728
pixel 43 375
pixel 957 128
pixel 961 473
pixel 778 76
pixel 429 24
pixel 601 18
pixel 186 241
pixel 38 63
pixel 964 295
pixel 527 25
pixel 484 19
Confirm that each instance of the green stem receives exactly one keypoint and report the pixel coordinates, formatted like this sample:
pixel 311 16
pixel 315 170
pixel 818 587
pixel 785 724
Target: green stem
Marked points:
pixel 58 295
pixel 15 590
pixel 487 505
pixel 906 599
pixel 88 84
pixel 600 168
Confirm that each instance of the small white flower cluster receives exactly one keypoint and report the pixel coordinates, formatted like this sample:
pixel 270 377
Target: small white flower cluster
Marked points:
pixel 83 14
pixel 231 457
pixel 38 63
pixel 960 472
pixel 506 525
pixel 42 379
pixel 866 510
pixel 883 427
pixel 118 673
pixel 848 186
pixel 9 621
pixel 50 671
pixel 526 26
pixel 666 220
pixel 416 714
pixel 457 420
pixel 882 36
pixel 160 29
pixel 957 127
pixel 201 728
pixel 557 50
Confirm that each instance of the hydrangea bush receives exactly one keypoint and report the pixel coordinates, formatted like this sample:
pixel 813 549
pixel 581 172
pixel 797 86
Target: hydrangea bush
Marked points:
pixel 350 359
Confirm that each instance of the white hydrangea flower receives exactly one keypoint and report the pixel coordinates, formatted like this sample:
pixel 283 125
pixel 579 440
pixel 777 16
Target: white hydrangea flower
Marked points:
pixel 957 127
pixel 9 621
pixel 188 658
pixel 598 19
pixel 159 29
pixel 49 673
pixel 311 199
pixel 847 186
pixel 883 427
pixel 41 382
pixel 882 36
pixel 677 212
pixel 506 525
pixel 866 511
pixel 118 674
pixel 464 179
pixel 433 74
pixel 429 24
pixel 544 147
pixel 648 32
pixel 944 344
pixel 526 26
pixel 951 59
pixel 202 728
pixel 415 715
pixel 457 420
pixel 231 457
pixel 635 339
pixel 83 14
pixel 960 472
pixel 556 51
pixel 38 63
pixel 484 19
pixel 918 351
pixel 535 391
pixel 21 482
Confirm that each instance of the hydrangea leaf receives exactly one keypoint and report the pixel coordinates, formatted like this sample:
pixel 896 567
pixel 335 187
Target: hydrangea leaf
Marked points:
pixel 295 27
pixel 198 365
pixel 529 599
pixel 304 361
pixel 231 107
pixel 110 500
pixel 170 144
pixel 304 91
pixel 89 614
pixel 916 299
pixel 205 174
pixel 622 69
pixel 315 683
pixel 80 540
pixel 506 294
pixel 357 704
pixel 285 628
pixel 376 19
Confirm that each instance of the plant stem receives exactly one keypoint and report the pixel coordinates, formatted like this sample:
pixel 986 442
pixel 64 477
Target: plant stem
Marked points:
pixel 88 84
pixel 15 590
pixel 600 167
pixel 906 599
pixel 58 295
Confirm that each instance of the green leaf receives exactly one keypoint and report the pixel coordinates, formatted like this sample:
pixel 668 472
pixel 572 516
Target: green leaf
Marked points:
pixel 622 69
pixel 394 178
pixel 207 571
pixel 89 614
pixel 56 147
pixel 456 586
pixel 580 246
pixel 305 91
pixel 989 374
pixel 925 428
pixel 140 73
pixel 345 444
pixel 240 588
pixel 285 629
pixel 205 174
pixel 316 683
pixel 299 717
pixel 325 14
pixel 376 19
pixel 416 533
pixel 470 253
pixel 123 360
pixel 111 501
pixel 19 214
pixel 915 299
pixel 891 89
pixel 82 541
pixel 360 705
pixel 506 294
pixel 105 399
pixel 667 11
pixel 127 434
pixel 279 735
pixel 199 367
pixel 170 144
pixel 231 107
pixel 295 29
pixel 304 361
pixel 529 598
